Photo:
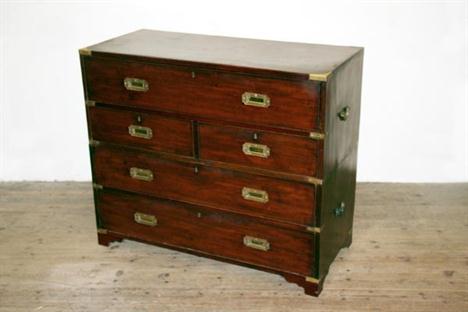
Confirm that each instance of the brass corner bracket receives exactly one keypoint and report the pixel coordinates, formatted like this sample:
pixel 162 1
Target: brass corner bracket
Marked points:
pixel 317 135
pixel 97 186
pixel 313 229
pixel 93 142
pixel 90 103
pixel 101 231
pixel 85 52
pixel 320 76
pixel 315 181
pixel 311 279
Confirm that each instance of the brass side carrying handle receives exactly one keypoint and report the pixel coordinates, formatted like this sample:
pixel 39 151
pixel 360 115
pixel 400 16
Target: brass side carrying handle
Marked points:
pixel 343 114
pixel 145 219
pixel 254 149
pixel 255 195
pixel 256 243
pixel 340 210
pixel 255 99
pixel 140 132
pixel 141 174
pixel 136 84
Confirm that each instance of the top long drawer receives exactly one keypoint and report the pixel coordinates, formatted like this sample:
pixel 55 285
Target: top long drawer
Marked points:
pixel 207 94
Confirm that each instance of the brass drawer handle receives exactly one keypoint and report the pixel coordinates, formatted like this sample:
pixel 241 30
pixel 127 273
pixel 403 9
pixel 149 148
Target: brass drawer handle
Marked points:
pixel 256 243
pixel 253 149
pixel 145 219
pixel 344 113
pixel 255 99
pixel 141 174
pixel 140 132
pixel 136 84
pixel 255 195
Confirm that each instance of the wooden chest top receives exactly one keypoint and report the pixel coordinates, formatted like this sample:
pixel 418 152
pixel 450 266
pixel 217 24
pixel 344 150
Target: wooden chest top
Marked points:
pixel 236 54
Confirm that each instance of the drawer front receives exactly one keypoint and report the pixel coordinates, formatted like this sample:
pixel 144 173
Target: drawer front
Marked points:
pixel 146 130
pixel 215 233
pixel 218 188
pixel 212 95
pixel 267 150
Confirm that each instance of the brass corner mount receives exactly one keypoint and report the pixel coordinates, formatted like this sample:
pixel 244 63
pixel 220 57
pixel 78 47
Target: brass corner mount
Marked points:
pixel 320 76
pixel 312 280
pixel 317 135
pixel 85 52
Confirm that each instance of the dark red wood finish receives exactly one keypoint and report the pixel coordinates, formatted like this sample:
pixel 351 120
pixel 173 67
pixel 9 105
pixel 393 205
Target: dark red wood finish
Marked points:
pixel 340 161
pixel 200 123
pixel 288 153
pixel 207 231
pixel 169 134
pixel 208 94
pixel 217 188
pixel 281 59
pixel 310 287
pixel 107 238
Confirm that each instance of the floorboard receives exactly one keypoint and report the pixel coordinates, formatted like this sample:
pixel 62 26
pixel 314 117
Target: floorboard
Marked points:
pixel 409 253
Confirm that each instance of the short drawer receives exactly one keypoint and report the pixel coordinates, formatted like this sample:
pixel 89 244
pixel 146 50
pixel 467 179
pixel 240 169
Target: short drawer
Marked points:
pixel 208 94
pixel 226 235
pixel 142 129
pixel 267 150
pixel 207 186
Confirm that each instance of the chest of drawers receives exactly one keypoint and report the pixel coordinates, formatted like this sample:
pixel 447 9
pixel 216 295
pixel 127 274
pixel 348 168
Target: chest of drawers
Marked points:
pixel 236 149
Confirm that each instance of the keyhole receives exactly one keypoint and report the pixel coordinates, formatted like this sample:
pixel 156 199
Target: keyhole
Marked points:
pixel 255 136
pixel 139 119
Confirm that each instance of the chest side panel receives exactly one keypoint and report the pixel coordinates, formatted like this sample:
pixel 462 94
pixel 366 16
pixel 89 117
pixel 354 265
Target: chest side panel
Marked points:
pixel 343 93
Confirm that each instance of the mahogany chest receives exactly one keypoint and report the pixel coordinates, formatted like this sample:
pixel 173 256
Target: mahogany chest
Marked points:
pixel 235 149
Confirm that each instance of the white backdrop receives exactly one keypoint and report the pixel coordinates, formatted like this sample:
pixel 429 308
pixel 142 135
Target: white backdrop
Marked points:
pixel 414 102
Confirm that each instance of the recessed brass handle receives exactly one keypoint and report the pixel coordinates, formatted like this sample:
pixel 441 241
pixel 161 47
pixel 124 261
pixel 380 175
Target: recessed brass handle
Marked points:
pixel 254 149
pixel 141 174
pixel 136 84
pixel 140 132
pixel 255 195
pixel 145 219
pixel 256 243
pixel 344 113
pixel 255 99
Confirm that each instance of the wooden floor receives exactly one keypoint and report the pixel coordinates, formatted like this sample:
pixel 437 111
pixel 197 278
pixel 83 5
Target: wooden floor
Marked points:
pixel 410 253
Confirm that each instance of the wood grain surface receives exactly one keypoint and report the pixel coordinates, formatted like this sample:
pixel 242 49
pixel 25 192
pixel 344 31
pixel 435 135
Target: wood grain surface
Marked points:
pixel 288 153
pixel 170 135
pixel 203 185
pixel 409 253
pixel 207 231
pixel 236 54
pixel 208 94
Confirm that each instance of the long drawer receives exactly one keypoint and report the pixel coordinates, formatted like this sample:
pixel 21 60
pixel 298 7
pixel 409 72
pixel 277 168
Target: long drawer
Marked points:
pixel 253 195
pixel 207 94
pixel 226 235
pixel 141 129
pixel 262 149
